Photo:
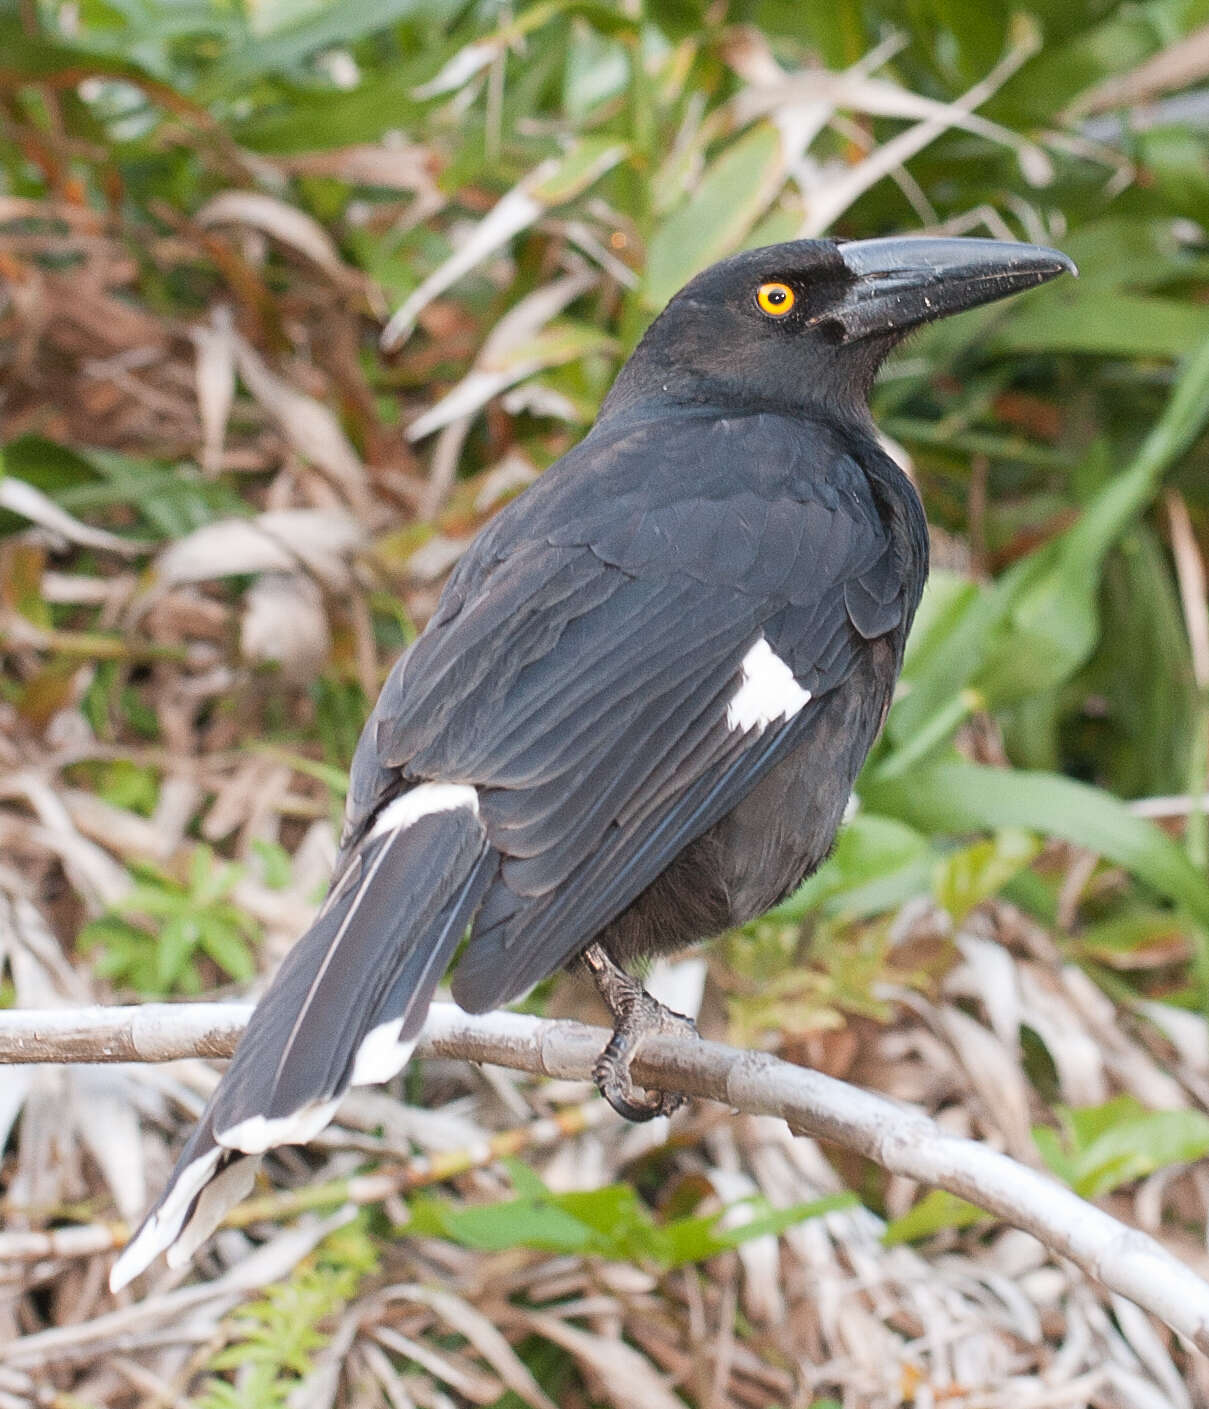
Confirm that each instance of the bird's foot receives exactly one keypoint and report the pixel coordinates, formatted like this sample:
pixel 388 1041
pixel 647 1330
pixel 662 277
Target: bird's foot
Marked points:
pixel 636 1015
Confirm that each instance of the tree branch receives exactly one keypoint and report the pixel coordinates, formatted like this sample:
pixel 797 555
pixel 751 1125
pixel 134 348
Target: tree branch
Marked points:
pixel 901 1140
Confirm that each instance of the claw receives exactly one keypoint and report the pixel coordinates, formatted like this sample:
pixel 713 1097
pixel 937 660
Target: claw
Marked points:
pixel 636 1016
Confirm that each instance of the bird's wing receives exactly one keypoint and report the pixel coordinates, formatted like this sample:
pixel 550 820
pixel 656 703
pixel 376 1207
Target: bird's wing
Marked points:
pixel 620 669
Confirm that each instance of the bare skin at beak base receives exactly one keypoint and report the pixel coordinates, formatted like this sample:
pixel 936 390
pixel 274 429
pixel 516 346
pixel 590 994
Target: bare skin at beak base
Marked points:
pixel 903 282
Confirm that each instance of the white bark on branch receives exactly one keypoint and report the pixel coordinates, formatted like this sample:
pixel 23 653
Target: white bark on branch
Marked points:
pixel 901 1140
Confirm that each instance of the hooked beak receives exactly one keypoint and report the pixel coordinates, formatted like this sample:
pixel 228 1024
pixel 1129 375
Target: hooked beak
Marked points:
pixel 904 281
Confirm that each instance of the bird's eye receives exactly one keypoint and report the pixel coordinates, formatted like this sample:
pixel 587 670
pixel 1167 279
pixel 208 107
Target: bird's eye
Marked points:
pixel 775 299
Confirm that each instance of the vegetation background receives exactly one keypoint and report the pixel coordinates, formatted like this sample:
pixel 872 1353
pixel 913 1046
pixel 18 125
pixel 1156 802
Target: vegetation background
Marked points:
pixel 226 505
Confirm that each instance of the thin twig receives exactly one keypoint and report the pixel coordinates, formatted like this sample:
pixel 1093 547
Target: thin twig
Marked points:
pixel 387 1181
pixel 1190 572
pixel 901 1140
pixel 1179 805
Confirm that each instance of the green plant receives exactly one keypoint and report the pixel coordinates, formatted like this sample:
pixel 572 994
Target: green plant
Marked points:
pixel 153 939
pixel 610 1222
pixel 272 1342
pixel 1098 1148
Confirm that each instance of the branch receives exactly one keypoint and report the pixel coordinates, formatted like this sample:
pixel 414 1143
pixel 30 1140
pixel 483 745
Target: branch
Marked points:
pixel 901 1140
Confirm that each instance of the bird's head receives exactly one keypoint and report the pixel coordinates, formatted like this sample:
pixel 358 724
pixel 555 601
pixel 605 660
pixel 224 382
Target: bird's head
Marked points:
pixel 807 324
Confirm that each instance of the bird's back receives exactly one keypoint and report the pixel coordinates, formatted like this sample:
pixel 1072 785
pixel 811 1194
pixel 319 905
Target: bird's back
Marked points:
pixel 583 669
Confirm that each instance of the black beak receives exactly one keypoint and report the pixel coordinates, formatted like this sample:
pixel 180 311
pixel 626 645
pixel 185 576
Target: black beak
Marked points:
pixel 902 282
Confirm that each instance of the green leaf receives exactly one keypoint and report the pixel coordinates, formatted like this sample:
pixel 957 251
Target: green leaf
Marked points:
pixel 157 901
pixel 610 1222
pixel 1052 596
pixel 287 47
pixel 128 785
pixel 561 341
pixel 228 948
pixel 763 1222
pixel 1103 1147
pixel 27 57
pixel 945 647
pixel 494 1227
pixel 1040 622
pixel 1133 933
pixel 525 1180
pixel 276 863
pixel 1105 324
pixel 1143 671
pixel 170 499
pixel 178 939
pixel 936 1212
pixel 734 192
pixel 957 797
pixel 966 878
pixel 580 167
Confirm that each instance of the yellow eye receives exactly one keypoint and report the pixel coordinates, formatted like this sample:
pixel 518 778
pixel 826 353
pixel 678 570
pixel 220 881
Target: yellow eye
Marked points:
pixel 775 299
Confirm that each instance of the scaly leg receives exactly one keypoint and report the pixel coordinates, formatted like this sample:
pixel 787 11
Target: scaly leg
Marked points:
pixel 635 1015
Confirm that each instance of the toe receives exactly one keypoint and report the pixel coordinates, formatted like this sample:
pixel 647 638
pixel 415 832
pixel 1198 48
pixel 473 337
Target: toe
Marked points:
pixel 638 1111
pixel 614 1083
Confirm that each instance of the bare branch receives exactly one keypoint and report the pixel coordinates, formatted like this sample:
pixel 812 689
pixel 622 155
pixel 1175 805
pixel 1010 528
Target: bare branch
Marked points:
pixel 901 1140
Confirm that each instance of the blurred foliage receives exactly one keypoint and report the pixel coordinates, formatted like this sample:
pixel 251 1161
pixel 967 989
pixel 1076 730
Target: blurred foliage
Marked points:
pixel 938 1211
pixel 272 1342
pixel 153 938
pixel 610 1222
pixel 1099 1148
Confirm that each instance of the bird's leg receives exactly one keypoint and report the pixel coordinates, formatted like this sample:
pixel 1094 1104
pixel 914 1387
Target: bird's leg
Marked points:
pixel 636 1015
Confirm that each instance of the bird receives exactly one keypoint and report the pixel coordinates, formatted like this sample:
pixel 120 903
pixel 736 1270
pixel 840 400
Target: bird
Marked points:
pixel 637 713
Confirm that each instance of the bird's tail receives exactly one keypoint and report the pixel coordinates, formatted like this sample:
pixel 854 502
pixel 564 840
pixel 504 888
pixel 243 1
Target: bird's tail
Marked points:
pixel 344 1009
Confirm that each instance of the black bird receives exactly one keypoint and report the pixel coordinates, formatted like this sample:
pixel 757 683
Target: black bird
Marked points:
pixel 636 716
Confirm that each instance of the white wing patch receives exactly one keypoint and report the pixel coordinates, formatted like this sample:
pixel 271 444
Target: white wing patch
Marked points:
pixel 768 691
pixel 419 802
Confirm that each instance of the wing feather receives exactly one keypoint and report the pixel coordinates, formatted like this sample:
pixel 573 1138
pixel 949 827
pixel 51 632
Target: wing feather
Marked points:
pixel 581 678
